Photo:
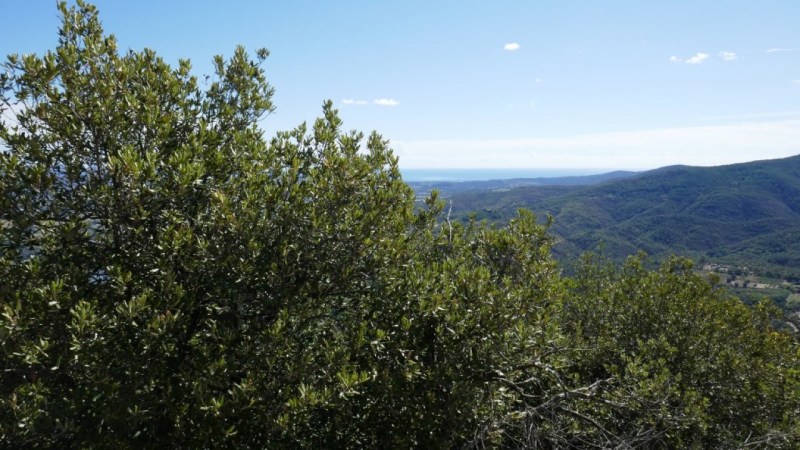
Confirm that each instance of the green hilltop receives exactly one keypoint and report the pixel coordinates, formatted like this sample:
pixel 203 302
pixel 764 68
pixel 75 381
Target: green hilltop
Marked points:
pixel 742 214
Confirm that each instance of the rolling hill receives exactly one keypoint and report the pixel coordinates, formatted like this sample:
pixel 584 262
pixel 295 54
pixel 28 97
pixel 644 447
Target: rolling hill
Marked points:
pixel 449 188
pixel 744 214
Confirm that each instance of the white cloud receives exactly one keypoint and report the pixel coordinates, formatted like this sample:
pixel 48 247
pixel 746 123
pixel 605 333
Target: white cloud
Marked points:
pixel 795 81
pixel 377 101
pixel 386 102
pixel 511 46
pixel 728 56
pixel 539 80
pixel 779 50
pixel 10 112
pixel 643 149
pixel 697 59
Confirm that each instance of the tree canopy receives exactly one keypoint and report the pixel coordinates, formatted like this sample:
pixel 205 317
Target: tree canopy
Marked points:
pixel 171 277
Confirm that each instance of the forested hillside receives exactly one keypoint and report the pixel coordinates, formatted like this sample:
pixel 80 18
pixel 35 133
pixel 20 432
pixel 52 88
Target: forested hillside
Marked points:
pixel 172 278
pixel 744 214
pixel 450 188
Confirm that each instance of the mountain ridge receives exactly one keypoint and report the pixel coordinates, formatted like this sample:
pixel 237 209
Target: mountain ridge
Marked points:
pixel 711 212
pixel 447 188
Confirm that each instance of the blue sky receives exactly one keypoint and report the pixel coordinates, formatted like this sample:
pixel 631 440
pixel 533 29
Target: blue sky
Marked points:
pixel 478 84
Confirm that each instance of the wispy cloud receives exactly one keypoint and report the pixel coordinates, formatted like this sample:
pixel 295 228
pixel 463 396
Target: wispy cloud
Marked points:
pixel 795 81
pixel 702 146
pixel 350 101
pixel 385 102
pixel 728 56
pixel 697 59
pixel 511 46
pixel 10 112
pixel 780 50
pixel 377 101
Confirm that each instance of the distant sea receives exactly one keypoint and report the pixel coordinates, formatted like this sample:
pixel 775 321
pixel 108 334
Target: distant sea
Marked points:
pixel 492 174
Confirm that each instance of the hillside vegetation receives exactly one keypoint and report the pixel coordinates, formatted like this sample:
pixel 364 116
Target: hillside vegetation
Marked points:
pixel 743 214
pixel 450 188
pixel 170 278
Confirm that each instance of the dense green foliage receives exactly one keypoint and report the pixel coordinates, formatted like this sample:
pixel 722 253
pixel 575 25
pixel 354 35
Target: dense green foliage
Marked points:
pixel 684 347
pixel 743 214
pixel 170 278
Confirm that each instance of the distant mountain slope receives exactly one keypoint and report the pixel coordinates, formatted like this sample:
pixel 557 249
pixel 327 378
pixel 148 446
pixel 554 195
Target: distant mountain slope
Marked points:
pixel 743 213
pixel 448 188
